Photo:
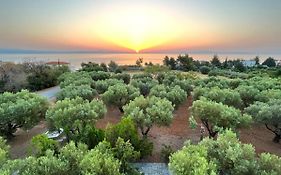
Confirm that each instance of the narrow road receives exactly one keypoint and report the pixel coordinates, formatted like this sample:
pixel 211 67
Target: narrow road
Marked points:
pixel 49 93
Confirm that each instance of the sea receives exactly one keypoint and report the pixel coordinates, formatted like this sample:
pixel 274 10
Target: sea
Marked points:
pixel 75 60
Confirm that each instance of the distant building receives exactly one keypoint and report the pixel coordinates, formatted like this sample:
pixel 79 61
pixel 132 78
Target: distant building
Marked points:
pixel 278 62
pixel 249 63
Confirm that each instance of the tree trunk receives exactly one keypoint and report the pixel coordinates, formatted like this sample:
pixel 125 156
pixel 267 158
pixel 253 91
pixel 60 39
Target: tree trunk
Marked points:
pixel 277 137
pixel 210 130
pixel 121 109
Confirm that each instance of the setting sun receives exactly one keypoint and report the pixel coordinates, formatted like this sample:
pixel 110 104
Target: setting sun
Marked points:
pixel 135 29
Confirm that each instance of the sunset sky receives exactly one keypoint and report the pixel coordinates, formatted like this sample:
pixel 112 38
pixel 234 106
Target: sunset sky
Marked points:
pixel 145 26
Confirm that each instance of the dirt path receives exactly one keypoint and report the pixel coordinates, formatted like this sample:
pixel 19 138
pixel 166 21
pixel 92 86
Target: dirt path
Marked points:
pixel 20 143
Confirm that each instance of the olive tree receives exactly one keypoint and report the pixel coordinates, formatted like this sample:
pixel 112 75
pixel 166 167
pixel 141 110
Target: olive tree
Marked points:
pixel 144 84
pixel 192 160
pixel 102 85
pixel 225 155
pixel 74 114
pixel 100 75
pixel 20 110
pixel 71 91
pixel 149 111
pixel 248 94
pixel 174 94
pixel 268 114
pixel 122 76
pixel 100 160
pixel 230 155
pixel 217 115
pixel 226 96
pixel 119 95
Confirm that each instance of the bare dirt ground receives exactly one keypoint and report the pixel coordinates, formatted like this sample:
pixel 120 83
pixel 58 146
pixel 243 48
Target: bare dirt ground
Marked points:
pixel 175 135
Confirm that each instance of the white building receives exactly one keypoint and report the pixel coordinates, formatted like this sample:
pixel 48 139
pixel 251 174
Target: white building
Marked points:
pixel 249 63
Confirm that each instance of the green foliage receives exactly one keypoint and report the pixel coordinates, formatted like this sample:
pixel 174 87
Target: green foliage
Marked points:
pixel 205 70
pixel 72 91
pixel 119 95
pixel 143 75
pixel 40 144
pixel 215 61
pixel 90 135
pixel 126 129
pixel 149 111
pixel 266 95
pixel 73 155
pixel 124 151
pixel 192 160
pixel 20 110
pixel 44 165
pixel 122 76
pixel 230 155
pixel 100 162
pixel 174 94
pixel 216 115
pixel 154 69
pixel 113 67
pixel 43 76
pixel 144 84
pixel 170 62
pixel 90 67
pixel 100 75
pixel 74 114
pixel 75 78
pixel 226 96
pixel 4 151
pixel 173 80
pixel 268 114
pixel 269 164
pixel 228 73
pixel 248 94
pixel 185 63
pixel 103 85
pixel 226 155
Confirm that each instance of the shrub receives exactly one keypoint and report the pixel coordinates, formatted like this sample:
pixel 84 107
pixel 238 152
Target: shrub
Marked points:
pixel 41 143
pixel 174 94
pixel 98 161
pixel 205 70
pixel 103 85
pixel 122 76
pixel 71 92
pixel 100 75
pixel 144 84
pixel 192 160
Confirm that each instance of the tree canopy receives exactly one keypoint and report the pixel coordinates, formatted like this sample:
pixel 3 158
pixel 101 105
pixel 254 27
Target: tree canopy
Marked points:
pixel 120 94
pixel 149 111
pixel 216 115
pixel 20 110
pixel 74 114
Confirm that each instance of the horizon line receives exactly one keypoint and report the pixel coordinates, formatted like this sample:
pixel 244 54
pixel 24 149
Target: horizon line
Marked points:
pixel 180 52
